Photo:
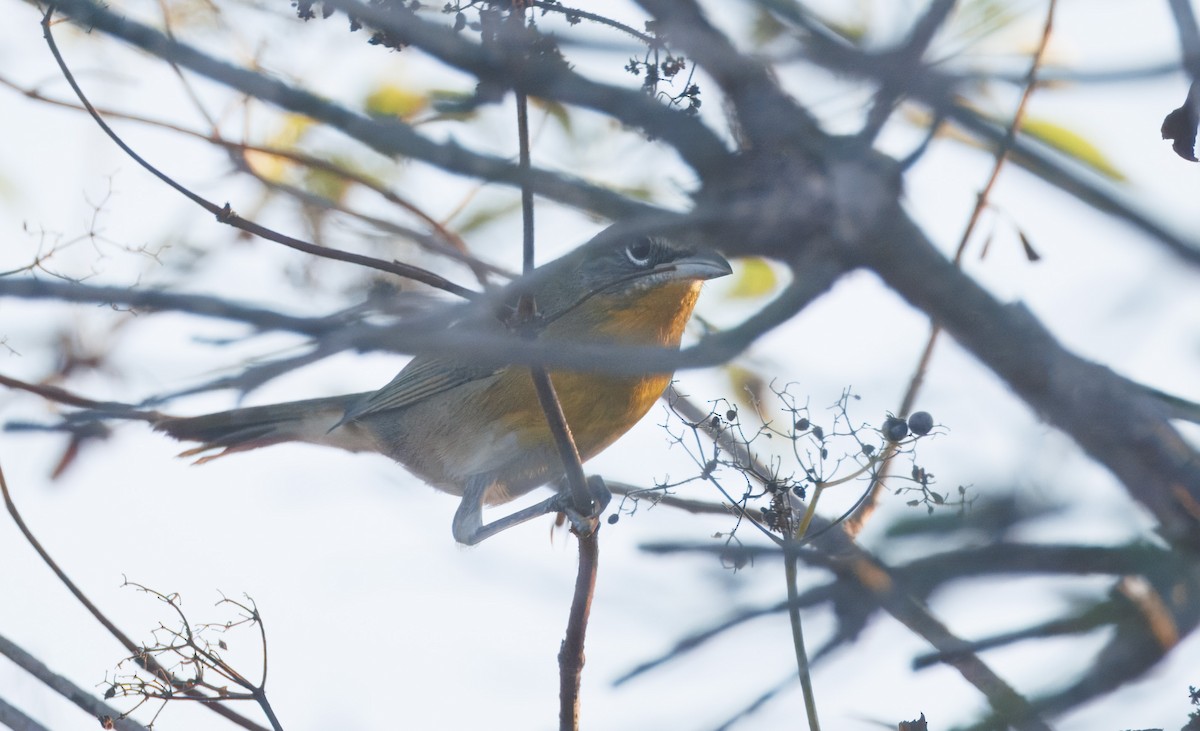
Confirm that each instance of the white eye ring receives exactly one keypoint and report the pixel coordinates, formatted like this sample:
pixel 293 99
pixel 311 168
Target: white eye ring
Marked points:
pixel 639 251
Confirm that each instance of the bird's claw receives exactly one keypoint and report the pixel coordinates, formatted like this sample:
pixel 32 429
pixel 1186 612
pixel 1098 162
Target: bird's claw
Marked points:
pixel 585 518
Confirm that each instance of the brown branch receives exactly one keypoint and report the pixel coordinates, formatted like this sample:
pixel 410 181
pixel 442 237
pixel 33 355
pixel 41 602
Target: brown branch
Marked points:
pixel 570 653
pixel 225 214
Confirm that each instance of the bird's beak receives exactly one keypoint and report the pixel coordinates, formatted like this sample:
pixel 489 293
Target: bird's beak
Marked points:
pixel 701 265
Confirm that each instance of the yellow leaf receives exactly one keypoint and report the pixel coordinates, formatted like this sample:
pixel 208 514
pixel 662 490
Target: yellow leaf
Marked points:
pixel 756 278
pixel 1072 144
pixel 390 100
pixel 267 166
pixel 293 130
pixel 272 167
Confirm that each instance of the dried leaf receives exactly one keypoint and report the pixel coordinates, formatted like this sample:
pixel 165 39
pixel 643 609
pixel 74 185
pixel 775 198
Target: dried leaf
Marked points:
pixel 1030 253
pixel 1180 125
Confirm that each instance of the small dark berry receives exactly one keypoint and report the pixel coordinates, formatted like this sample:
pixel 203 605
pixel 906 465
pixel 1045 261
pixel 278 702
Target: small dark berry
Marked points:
pixel 920 423
pixel 894 429
pixel 731 415
pixel 802 424
pixel 819 433
pixel 612 519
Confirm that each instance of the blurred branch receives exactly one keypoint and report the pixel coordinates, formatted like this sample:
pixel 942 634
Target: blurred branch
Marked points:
pixel 13 718
pixel 80 697
pixel 162 301
pixel 1189 36
pixel 907 56
pixel 856 568
pixel 1180 125
pixel 429 333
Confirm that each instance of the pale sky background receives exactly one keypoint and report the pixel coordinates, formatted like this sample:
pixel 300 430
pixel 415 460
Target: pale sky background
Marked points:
pixel 376 619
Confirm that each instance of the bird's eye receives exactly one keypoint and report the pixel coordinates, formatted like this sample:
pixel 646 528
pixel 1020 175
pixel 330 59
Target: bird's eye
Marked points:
pixel 639 251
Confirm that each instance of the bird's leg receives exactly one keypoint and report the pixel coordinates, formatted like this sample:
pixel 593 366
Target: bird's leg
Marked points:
pixel 470 529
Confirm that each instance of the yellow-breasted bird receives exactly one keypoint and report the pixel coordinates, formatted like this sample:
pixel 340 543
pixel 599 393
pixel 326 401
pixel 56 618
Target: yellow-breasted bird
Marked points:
pixel 479 431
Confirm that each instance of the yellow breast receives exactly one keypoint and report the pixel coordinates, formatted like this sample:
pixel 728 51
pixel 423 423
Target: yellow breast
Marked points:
pixel 598 407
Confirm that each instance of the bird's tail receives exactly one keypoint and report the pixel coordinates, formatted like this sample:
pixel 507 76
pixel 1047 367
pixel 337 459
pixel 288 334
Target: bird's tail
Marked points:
pixel 231 431
pixel 239 430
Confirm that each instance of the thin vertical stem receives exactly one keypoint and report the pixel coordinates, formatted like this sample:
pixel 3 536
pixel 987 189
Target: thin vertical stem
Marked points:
pixel 802 666
pixel 526 192
pixel 855 523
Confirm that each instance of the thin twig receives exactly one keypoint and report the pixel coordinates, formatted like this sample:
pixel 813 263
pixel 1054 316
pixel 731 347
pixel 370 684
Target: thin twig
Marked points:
pixel 148 663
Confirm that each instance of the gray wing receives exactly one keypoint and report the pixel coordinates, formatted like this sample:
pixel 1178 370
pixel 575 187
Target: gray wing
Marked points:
pixel 419 380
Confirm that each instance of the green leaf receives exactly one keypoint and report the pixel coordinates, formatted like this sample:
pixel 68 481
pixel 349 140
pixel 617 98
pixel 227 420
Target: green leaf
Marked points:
pixel 1072 144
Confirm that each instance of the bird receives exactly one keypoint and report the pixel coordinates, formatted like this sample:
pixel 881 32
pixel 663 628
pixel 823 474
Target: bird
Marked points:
pixel 477 430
